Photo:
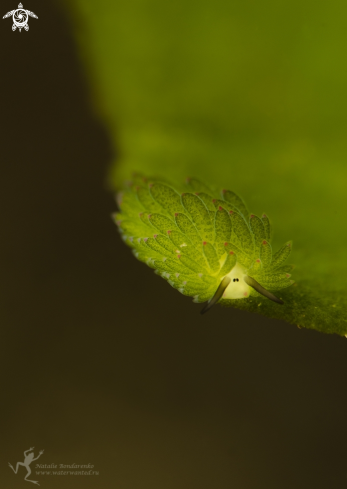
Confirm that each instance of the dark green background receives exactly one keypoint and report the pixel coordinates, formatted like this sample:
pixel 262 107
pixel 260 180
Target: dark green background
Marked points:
pixel 147 390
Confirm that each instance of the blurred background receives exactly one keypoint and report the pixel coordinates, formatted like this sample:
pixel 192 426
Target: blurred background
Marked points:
pixel 102 362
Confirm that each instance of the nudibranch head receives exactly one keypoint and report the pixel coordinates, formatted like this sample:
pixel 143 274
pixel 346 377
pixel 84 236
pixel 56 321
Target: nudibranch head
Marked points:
pixel 238 288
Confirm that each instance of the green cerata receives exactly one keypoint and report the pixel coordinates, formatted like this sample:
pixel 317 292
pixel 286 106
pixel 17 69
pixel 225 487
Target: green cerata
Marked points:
pixel 203 243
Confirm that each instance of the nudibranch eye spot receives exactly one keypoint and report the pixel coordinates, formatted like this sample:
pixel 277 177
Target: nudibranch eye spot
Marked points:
pixel 205 244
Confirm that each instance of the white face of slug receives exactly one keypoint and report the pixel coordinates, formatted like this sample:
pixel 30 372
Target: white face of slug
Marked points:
pixel 237 289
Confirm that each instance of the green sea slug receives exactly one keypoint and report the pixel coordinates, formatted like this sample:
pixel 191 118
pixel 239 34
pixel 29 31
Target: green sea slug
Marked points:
pixel 203 243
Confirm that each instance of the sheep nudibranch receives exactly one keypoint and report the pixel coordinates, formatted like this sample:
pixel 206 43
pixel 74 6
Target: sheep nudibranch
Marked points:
pixel 204 243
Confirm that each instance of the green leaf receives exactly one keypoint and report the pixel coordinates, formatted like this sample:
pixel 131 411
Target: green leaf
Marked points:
pixel 285 268
pixel 276 282
pixel 195 185
pixel 172 106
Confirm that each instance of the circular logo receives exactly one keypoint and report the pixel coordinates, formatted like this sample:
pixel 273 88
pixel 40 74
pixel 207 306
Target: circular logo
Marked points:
pixel 20 17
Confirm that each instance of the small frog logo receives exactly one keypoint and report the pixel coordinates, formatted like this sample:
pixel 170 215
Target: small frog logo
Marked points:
pixel 28 458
